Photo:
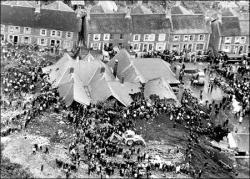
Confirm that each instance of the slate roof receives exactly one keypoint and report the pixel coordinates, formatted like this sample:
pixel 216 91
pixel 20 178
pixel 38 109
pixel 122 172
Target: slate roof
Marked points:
pixel 226 12
pixel 188 24
pixel 140 9
pixel 244 27
pixel 229 26
pixel 109 23
pixel 153 23
pixel 48 19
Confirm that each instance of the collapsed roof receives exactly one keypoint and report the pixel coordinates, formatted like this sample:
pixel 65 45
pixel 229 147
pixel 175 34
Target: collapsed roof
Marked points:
pixel 86 81
pixel 90 81
pixel 142 69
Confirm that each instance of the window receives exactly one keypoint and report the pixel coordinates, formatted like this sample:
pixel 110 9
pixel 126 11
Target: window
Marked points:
pixel 201 37
pixel 237 40
pixel 10 38
pixel 149 37
pixel 136 37
pixel 11 29
pixel 42 42
pixel 53 33
pixel 105 46
pixel 95 46
pixel 243 40
pixel 160 46
pixel 17 29
pixel 106 36
pixel 191 37
pixel 111 36
pixel 2 38
pixel 43 32
pixel 67 44
pixel 228 40
pixel 162 37
pixel 185 38
pixel 176 38
pixel 150 47
pixel 152 37
pixel 120 45
pixel 199 46
pixel 175 47
pixel 136 47
pixel 69 35
pixel 59 33
pixel 227 48
pixel 27 30
pixel 2 28
pixel 146 37
pixel 121 36
pixel 26 39
pixel 96 37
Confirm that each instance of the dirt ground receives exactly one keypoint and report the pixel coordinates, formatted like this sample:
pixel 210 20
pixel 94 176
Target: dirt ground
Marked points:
pixel 161 130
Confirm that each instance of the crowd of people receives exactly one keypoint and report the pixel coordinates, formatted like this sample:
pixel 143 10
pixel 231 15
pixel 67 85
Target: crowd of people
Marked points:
pixel 238 80
pixel 95 124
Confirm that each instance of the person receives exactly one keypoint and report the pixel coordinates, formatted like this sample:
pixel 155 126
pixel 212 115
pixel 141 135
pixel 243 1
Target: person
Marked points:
pixel 42 168
pixel 201 95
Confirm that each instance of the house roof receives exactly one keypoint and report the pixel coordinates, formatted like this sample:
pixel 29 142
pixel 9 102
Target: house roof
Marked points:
pixel 179 9
pixel 58 5
pixel 188 24
pixel 244 27
pixel 153 23
pixel 140 9
pixel 141 69
pixel 229 26
pixel 48 19
pixel 225 12
pixel 159 87
pixel 109 23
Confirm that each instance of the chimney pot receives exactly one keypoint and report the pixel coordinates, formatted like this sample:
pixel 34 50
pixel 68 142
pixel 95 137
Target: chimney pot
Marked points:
pixel 115 68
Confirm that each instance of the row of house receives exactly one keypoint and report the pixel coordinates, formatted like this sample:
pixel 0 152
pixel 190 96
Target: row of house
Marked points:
pixel 177 29
pixel 230 33
pixel 30 22
pixel 57 25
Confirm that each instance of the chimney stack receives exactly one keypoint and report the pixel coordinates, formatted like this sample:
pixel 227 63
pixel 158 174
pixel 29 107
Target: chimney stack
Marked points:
pixel 139 2
pixel 37 6
pixel 128 13
pixel 115 68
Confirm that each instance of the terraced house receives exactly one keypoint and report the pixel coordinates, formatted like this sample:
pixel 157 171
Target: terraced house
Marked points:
pixel 54 25
pixel 230 33
pixel 149 32
pixel 110 29
pixel 191 32
pixel 142 30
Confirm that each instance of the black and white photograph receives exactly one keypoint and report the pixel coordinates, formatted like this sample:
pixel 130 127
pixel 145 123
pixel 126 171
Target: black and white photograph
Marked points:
pixel 125 89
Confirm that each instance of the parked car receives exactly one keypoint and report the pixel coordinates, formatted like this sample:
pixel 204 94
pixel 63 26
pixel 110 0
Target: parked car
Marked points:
pixel 201 78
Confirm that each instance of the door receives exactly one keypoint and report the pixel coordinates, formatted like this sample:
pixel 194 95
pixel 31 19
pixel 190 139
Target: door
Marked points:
pixel 150 47
pixel 15 39
pixel 236 49
pixel 52 43
pixel 189 47
pixel 145 47
pixel 241 50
